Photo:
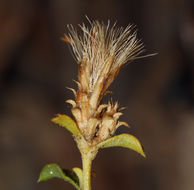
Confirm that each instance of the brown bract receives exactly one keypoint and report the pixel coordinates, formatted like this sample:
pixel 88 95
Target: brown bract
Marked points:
pixel 100 50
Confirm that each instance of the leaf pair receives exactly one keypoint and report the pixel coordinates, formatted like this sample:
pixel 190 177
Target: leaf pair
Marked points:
pixel 123 140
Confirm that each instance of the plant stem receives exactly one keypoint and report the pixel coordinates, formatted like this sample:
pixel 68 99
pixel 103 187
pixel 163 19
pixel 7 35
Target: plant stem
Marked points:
pixel 86 180
pixel 88 153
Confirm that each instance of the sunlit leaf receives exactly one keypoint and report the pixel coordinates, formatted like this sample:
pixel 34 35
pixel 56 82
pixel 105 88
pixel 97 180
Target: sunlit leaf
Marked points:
pixel 67 122
pixel 79 174
pixel 123 140
pixel 54 171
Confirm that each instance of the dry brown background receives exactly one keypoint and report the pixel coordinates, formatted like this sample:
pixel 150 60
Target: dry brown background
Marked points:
pixel 36 66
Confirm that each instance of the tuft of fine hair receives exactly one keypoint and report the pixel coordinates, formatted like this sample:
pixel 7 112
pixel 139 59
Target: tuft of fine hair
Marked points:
pixel 100 51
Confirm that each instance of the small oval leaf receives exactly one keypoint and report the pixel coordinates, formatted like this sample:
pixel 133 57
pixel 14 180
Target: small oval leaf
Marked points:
pixel 123 140
pixel 79 174
pixel 54 171
pixel 67 122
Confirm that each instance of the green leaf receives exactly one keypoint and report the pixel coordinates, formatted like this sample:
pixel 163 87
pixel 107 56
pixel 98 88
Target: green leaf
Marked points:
pixel 123 140
pixel 67 122
pixel 54 171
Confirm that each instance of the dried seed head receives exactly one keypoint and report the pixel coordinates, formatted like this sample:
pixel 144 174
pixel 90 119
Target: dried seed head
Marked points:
pixel 100 51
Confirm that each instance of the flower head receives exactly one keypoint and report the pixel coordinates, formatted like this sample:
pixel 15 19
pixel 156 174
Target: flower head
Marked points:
pixel 100 51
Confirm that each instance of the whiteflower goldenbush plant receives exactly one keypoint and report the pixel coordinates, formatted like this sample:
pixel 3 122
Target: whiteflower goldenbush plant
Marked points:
pixel 100 51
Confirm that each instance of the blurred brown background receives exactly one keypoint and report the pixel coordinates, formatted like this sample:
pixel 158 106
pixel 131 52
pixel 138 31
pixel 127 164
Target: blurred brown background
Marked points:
pixel 36 66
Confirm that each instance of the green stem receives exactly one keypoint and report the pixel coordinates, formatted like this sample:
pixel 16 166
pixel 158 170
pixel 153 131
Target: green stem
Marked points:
pixel 88 154
pixel 86 180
